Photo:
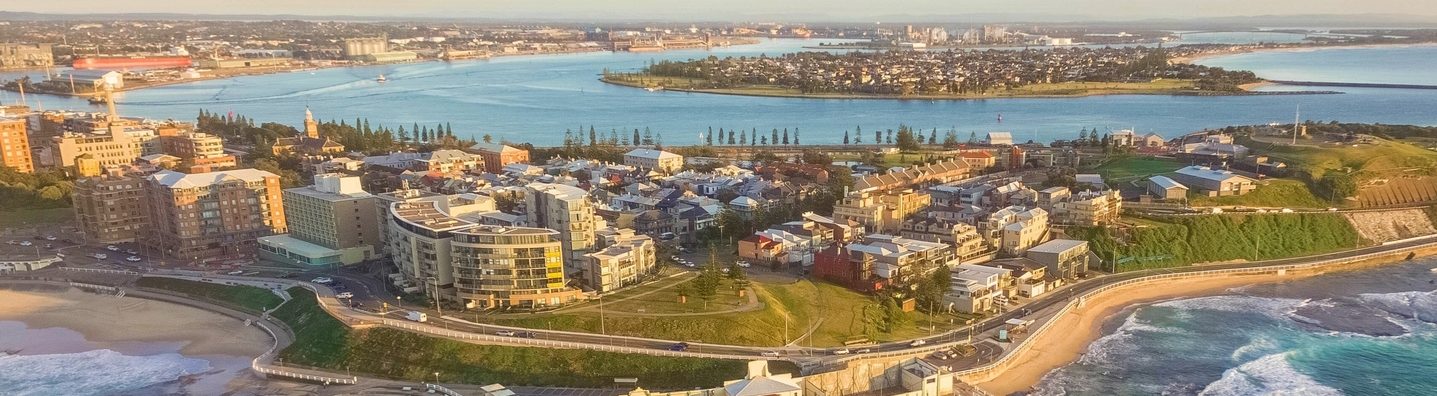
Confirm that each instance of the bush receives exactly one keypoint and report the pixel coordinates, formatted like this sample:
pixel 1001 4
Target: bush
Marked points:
pixel 1197 239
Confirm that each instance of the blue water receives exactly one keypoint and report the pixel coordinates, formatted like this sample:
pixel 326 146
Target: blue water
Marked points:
pixel 1362 333
pixel 1363 64
pixel 535 98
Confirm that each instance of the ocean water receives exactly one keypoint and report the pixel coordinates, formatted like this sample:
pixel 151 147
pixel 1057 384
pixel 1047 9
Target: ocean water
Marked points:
pixel 1361 333
pixel 536 98
pixel 59 361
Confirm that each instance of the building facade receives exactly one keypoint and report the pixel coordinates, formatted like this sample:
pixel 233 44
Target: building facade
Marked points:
pixel 15 145
pixel 509 267
pixel 330 223
pixel 568 210
pixel 658 160
pixel 210 215
pixel 17 55
pixel 496 156
pixel 626 260
pixel 110 208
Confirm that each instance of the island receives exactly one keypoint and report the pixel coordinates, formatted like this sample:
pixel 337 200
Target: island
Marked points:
pixel 949 74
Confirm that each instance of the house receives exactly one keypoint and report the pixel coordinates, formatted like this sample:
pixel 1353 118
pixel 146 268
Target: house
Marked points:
pixel 1214 182
pixel 496 156
pixel 1065 259
pixel 1165 188
pixel 1051 196
pixel 658 160
pixel 1092 179
pixel 1090 208
pixel 760 248
pixel 999 139
pixel 976 288
pixel 978 159
pixel 1028 276
pixel 1153 140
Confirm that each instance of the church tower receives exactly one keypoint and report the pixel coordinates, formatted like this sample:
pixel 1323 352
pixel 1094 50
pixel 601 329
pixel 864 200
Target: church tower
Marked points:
pixel 311 127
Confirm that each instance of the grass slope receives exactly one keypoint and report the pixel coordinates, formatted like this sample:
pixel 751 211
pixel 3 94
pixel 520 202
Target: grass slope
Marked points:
pixel 250 298
pixel 1131 168
pixel 33 217
pixel 1276 193
pixel 322 341
pixel 1169 242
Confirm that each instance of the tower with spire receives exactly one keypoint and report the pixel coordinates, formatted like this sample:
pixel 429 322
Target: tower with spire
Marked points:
pixel 311 127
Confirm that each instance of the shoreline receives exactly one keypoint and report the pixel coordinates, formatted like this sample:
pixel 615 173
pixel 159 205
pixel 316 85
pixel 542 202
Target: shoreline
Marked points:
pixel 1050 351
pixel 1246 90
pixel 1194 59
pixel 106 320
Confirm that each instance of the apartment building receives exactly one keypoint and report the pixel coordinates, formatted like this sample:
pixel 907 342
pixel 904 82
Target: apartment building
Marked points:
pixel 496 156
pixel 111 208
pixel 1065 259
pixel 881 260
pixel 22 55
pixel 881 211
pixel 15 145
pixel 209 215
pixel 330 223
pixel 965 239
pixel 1090 208
pixel 568 210
pixel 509 267
pixel 626 259
pixel 658 160
pixel 419 238
pixel 977 288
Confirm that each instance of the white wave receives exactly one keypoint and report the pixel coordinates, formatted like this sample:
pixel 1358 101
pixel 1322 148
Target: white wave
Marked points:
pixel 96 372
pixel 1277 308
pixel 1411 304
pixel 1268 375
pixel 1120 341
pixel 1259 345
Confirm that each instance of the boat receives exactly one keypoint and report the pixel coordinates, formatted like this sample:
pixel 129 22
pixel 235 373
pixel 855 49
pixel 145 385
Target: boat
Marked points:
pixel 381 78
pixel 97 99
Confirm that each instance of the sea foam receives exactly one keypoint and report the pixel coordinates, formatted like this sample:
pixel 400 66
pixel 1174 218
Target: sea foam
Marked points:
pixel 1268 375
pixel 105 372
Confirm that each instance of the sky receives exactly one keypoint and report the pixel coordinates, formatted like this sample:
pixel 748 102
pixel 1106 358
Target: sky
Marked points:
pixel 745 10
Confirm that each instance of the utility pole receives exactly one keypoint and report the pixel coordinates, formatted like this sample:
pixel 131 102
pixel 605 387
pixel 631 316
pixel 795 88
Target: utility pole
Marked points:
pixel 1295 117
pixel 602 330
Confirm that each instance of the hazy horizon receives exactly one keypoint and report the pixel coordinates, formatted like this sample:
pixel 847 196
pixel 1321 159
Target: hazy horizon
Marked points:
pixel 679 10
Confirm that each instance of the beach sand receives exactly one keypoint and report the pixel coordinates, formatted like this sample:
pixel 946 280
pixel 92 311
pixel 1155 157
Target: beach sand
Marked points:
pixel 1081 326
pixel 104 319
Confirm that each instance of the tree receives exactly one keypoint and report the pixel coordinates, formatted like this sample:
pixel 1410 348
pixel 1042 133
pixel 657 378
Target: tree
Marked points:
pixel 648 137
pixel 742 139
pixel 730 137
pixel 490 138
pixel 877 137
pixel 845 137
pixel 774 139
pixel 933 136
pixel 795 137
pixel 403 136
pixel 906 140
pixel 785 136
pixel 593 137
pixel 636 137
pixel 950 141
pixel 816 157
pixel 1336 186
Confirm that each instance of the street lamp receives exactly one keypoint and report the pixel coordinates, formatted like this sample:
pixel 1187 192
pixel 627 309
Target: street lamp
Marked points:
pixel 436 377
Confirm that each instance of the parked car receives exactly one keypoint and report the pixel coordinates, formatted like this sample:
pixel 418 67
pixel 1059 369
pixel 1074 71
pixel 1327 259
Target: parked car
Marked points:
pixel 345 295
pixel 131 251
pixel 133 259
pixel 744 264
pixel 323 280
pixel 112 248
pixel 99 256
pixel 49 246
pixel 50 237
pixel 26 243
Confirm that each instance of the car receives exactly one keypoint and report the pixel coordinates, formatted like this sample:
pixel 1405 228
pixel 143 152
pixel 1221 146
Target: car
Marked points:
pixel 131 252
pixel 344 295
pixel 527 334
pixel 864 350
pixel 667 236
pixel 50 237
pixel 918 343
pixel 99 256
pixel 679 347
pixel 506 333
pixel 771 354
pixel 744 264
pixel 689 264
pixel 60 255
pixel 26 243
pixel 288 275
pixel 112 248
pixel 323 280
pixel 235 272
pixel 133 259
pixel 843 351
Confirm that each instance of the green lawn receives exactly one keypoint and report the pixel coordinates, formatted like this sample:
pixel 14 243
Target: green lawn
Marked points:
pixel 667 301
pixel 1382 159
pixel 1178 241
pixel 838 312
pixel 33 217
pixel 1285 193
pixel 1129 168
pixel 321 341
pixel 250 298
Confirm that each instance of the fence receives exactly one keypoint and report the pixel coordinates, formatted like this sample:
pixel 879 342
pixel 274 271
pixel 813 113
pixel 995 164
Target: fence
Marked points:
pixel 101 270
pixel 264 368
pixel 495 339
pixel 1008 358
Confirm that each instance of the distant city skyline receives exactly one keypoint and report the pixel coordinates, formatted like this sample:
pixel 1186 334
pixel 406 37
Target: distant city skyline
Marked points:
pixel 837 10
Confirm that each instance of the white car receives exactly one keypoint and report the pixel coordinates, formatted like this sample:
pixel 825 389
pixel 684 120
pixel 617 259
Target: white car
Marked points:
pixel 133 259
pixel 25 243
pixel 771 354
pixel 50 237
pixel 323 280
pixel 918 343
pixel 506 333
pixel 235 272
pixel 744 264
pixel 112 248
pixel 843 351
pixel 99 256
pixel 344 295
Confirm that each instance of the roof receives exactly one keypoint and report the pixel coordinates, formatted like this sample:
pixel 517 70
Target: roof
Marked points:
pixel 426 214
pixel 298 246
pixel 559 191
pixel 1206 173
pixel 1165 182
pixel 493 148
pixel 652 154
pixel 174 179
pixel 1057 246
pixel 760 386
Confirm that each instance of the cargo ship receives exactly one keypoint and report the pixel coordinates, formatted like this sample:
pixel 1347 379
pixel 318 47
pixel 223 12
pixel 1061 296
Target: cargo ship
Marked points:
pixel 131 62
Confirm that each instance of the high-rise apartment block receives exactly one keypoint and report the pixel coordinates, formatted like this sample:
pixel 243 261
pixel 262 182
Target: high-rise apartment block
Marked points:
pixel 330 223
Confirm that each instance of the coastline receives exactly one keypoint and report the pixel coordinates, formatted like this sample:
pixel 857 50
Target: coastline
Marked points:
pixel 1246 90
pixel 1050 351
pixel 1214 54
pixel 108 319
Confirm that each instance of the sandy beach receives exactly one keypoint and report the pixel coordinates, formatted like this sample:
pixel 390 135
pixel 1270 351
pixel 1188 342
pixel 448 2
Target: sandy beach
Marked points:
pixel 1074 331
pixel 105 319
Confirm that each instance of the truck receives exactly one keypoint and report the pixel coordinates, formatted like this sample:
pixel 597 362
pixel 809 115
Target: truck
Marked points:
pixel 417 316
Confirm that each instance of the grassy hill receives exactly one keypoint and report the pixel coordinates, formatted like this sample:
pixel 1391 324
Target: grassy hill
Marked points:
pixel 1178 241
